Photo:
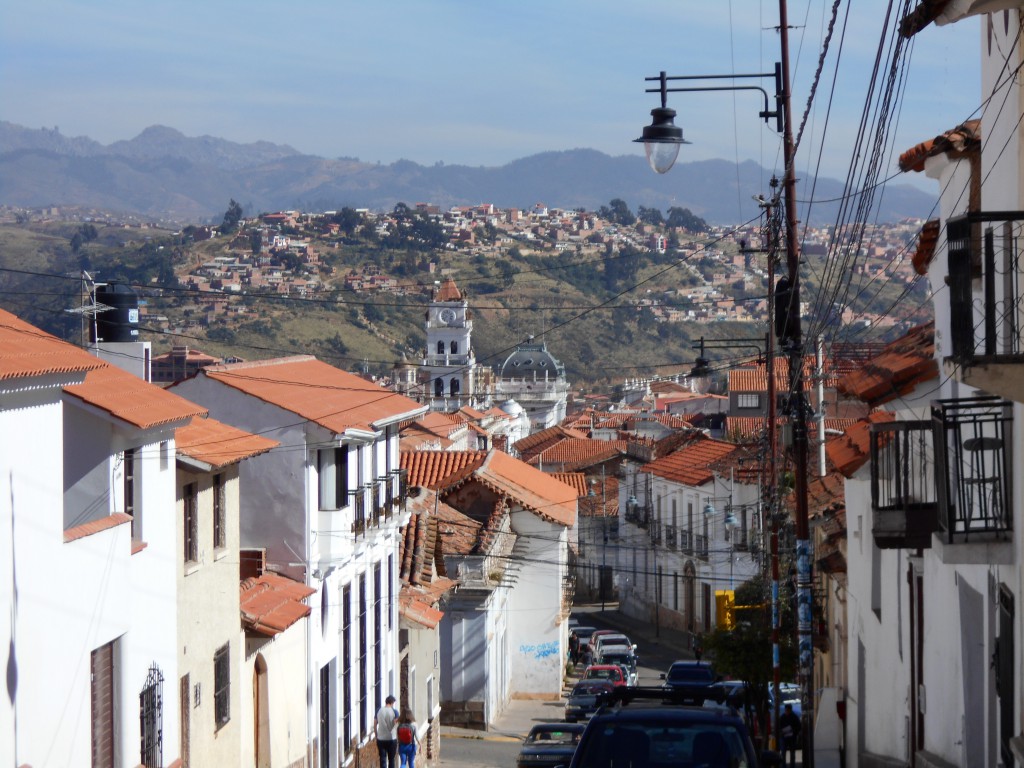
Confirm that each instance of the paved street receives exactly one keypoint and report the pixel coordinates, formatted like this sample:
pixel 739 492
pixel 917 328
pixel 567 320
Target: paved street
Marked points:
pixel 498 747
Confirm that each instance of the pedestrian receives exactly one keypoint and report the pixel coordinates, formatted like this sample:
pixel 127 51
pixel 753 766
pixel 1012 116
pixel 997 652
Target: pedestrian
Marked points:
pixel 574 648
pixel 698 646
pixel 387 734
pixel 789 729
pixel 408 739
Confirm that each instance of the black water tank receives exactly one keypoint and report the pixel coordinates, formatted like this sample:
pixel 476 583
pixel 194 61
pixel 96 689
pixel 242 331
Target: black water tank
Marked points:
pixel 121 321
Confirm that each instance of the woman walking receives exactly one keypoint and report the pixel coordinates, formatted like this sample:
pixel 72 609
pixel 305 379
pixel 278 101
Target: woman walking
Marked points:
pixel 408 740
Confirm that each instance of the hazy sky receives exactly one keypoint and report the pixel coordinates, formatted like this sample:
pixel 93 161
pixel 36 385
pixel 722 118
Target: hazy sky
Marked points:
pixel 456 82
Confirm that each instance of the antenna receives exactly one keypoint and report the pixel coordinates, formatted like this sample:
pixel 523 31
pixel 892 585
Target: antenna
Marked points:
pixel 90 307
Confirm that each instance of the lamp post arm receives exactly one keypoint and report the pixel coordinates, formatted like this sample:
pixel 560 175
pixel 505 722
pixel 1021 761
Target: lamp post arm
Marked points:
pixel 662 79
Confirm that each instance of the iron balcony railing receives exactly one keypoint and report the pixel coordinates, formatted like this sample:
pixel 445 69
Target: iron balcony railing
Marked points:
pixel 701 545
pixel 670 536
pixel 984 251
pixel 686 541
pixel 903 489
pixel 974 468
pixel 361 511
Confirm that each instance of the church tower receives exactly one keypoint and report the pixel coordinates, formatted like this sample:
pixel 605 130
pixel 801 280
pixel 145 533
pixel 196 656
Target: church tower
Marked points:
pixel 450 361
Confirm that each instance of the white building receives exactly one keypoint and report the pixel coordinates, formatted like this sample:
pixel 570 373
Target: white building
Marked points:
pixel 535 379
pixel 691 527
pixel 87 521
pixel 935 547
pixel 453 378
pixel 325 506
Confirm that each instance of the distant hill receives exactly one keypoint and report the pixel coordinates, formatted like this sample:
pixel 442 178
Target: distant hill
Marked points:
pixel 163 174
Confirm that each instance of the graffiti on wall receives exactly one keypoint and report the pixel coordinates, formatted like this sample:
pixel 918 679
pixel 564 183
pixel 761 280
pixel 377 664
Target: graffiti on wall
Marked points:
pixel 540 651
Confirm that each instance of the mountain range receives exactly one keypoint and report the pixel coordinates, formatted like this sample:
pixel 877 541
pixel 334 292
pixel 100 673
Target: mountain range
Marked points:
pixel 164 175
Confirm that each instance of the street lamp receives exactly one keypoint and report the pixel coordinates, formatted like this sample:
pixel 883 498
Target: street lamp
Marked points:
pixel 663 138
pixel 791 339
pixel 700 374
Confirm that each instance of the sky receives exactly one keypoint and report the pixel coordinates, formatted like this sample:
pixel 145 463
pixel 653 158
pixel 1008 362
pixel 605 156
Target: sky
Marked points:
pixel 458 82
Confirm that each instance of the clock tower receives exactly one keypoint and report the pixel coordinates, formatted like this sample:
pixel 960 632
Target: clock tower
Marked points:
pixel 450 362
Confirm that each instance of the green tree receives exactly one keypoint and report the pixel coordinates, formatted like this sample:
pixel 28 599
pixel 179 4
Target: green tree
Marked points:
pixel 650 216
pixel 617 212
pixel 347 219
pixel 745 652
pixel 232 218
pixel 685 218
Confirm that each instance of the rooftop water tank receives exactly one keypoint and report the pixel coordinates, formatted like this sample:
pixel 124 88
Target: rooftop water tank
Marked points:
pixel 121 322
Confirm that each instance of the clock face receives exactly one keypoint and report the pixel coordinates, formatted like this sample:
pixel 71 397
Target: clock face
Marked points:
pixel 447 316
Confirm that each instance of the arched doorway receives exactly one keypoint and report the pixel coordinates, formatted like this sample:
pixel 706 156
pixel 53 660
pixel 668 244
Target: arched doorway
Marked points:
pixel 260 713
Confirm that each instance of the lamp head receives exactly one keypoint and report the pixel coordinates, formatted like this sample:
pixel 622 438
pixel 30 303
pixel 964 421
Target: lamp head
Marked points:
pixel 709 509
pixel 662 139
pixel 730 519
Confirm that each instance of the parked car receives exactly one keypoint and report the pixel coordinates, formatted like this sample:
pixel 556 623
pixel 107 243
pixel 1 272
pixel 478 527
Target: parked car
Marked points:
pixel 549 744
pixel 602 641
pixel 649 726
pixel 623 657
pixel 583 700
pixel 692 680
pixel 611 672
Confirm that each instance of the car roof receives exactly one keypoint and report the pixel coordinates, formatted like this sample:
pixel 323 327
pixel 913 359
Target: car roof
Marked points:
pixel 668 713
pixel 542 727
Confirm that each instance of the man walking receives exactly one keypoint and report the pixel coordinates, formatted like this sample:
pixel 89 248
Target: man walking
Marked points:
pixel 387 733
pixel 789 729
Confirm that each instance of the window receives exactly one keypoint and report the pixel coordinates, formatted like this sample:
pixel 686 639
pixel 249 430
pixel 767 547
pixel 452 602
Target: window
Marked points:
pixel 191 499
pixel 222 685
pixel 440 347
pixel 346 666
pixel 102 694
pixel 128 491
pixel 748 400
pixel 438 387
pixel 455 347
pixel 378 638
pixel 454 387
pixel 364 676
pixel 332 468
pixel 219 522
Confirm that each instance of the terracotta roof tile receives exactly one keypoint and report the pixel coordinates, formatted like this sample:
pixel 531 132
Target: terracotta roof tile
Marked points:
pixel 332 398
pixel 963 139
pixel 577 453
pixel 131 399
pixel 691 465
pixel 754 378
pixel 926 243
pixel 458 533
pixel 533 489
pixel 219 444
pixel 448 291
pixel 901 366
pixel 439 469
pixel 575 480
pixel 414 607
pixel 96 526
pixel 272 603
pixel 538 441
pixel 27 351
pixel 852 451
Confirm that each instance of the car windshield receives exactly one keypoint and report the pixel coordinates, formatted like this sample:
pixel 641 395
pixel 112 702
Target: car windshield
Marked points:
pixel 590 688
pixel 622 659
pixel 552 737
pixel 691 673
pixel 639 743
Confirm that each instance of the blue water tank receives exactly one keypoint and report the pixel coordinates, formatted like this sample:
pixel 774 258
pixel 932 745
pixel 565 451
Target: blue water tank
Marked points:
pixel 121 322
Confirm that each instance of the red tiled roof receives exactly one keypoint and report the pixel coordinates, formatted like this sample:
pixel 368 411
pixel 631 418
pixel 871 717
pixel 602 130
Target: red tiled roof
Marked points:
pixel 219 444
pixel 459 533
pixel 691 465
pixel 272 603
pixel 901 366
pixel 852 451
pixel 536 491
pixel 439 469
pixel 473 414
pixel 448 291
pixel 131 399
pixel 578 453
pixel 332 398
pixel 575 480
pixel 95 526
pixel 926 243
pixel 963 139
pixel 27 351
pixel 755 378
pixel 546 437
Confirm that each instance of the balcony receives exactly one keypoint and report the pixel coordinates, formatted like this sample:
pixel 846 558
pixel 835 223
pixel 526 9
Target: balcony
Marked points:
pixel 359 512
pixel 670 536
pixel 701 546
pixel 973 466
pixel 686 542
pixel 903 492
pixel 985 286
pixel 655 531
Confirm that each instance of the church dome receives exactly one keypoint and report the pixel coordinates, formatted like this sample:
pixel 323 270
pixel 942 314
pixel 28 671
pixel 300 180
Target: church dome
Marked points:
pixel 529 359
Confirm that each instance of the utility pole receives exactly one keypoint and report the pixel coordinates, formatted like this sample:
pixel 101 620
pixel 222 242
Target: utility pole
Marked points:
pixel 797 404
